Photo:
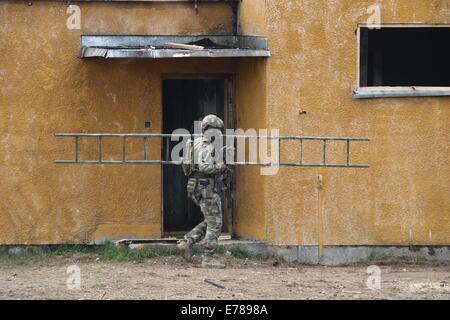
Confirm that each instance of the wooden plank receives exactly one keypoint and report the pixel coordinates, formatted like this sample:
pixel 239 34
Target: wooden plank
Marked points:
pixel 174 45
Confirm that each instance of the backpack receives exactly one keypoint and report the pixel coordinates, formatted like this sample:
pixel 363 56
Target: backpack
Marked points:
pixel 188 159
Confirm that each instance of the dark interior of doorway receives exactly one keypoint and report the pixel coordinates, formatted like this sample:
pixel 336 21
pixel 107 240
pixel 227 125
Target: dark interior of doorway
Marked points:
pixel 185 101
pixel 405 56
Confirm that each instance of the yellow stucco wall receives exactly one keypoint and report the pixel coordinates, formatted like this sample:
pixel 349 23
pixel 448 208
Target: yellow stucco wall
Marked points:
pixel 405 193
pixel 45 88
pixel 250 194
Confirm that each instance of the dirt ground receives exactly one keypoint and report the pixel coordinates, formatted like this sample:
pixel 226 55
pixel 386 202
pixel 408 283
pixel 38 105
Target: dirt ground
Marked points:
pixel 172 278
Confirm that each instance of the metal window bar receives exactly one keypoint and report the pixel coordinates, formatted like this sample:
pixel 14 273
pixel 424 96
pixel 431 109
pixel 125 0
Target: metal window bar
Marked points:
pixel 165 138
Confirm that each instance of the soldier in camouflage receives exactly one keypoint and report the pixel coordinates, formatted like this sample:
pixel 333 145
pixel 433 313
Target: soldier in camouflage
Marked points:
pixel 202 189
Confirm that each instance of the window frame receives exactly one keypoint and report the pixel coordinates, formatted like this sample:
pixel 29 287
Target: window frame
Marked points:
pixel 365 92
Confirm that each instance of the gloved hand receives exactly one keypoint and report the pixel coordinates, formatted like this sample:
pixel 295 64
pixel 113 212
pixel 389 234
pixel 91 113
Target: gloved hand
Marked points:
pixel 221 167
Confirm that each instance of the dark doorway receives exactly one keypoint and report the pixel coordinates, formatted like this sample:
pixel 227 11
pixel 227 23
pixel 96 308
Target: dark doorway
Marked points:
pixel 186 101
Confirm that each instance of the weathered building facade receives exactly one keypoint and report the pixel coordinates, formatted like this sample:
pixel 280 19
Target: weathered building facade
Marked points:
pixel 315 65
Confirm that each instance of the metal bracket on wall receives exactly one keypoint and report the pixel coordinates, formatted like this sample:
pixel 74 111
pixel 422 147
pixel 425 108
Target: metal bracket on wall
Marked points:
pixel 167 138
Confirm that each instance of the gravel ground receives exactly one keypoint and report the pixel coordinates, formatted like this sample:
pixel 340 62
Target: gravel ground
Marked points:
pixel 172 278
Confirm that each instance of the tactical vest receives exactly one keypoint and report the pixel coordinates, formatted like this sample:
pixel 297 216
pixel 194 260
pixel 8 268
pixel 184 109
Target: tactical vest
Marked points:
pixel 189 165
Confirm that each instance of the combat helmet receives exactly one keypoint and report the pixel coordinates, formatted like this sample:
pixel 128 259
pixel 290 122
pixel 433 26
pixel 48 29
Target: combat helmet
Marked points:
pixel 212 121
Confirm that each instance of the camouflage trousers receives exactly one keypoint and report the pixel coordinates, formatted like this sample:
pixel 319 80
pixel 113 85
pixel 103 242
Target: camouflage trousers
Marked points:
pixel 211 206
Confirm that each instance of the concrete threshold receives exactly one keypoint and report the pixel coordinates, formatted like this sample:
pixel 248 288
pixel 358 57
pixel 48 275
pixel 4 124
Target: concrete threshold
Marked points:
pixel 331 255
pixel 256 247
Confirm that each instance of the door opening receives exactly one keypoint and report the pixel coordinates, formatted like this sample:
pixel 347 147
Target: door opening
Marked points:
pixel 186 101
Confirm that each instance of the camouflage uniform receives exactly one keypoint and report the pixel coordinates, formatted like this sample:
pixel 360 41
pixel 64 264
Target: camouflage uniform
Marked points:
pixel 202 190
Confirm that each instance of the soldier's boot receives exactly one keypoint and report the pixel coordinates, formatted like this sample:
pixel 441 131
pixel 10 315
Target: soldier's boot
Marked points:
pixel 184 247
pixel 210 262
